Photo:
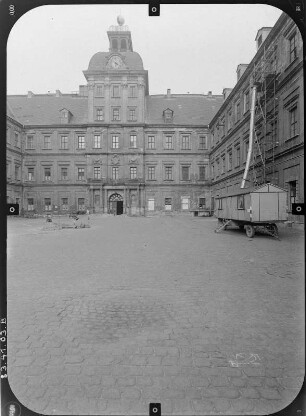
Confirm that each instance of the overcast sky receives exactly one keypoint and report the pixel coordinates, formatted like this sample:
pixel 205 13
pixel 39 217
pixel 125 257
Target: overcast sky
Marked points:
pixel 189 48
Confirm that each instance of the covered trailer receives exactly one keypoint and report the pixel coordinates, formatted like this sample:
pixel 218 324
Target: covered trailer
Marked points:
pixel 260 207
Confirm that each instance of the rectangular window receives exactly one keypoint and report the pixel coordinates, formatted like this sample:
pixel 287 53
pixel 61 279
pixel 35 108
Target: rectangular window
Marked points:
pixel 132 91
pixel 169 142
pixel 47 174
pixel 132 114
pixel 168 204
pixel 100 114
pixel 151 173
pixel 133 141
pixel 246 101
pixel 115 172
pixel 237 156
pixel 292 193
pixel 293 121
pixel 16 139
pixel 64 142
pixel 30 204
pixel 30 174
pixel 240 202
pixel 186 142
pixel 81 174
pixel 133 173
pixel 97 141
pixel 151 142
pixel 293 47
pixel 30 142
pixel 97 172
pixel 220 203
pixel 116 91
pixel 47 142
pixel 116 114
pixel 185 203
pixel 100 90
pixel 185 173
pixel 229 120
pixel 64 174
pixel 230 160
pixel 223 164
pixel 202 202
pixel 237 111
pixel 150 204
pixel 202 142
pixel 202 171
pixel 48 205
pixel 64 204
pixel 81 204
pixel 17 172
pixel 81 142
pixel 168 173
pixel 115 142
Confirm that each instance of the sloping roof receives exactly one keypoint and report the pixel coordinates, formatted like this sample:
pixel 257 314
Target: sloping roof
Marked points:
pixel 44 109
pixel 10 113
pixel 131 59
pixel 267 187
pixel 189 109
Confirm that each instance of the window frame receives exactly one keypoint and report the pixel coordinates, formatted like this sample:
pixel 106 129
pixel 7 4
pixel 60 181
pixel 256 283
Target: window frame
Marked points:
pixel 185 168
pixel 151 144
pixel 151 172
pixel 64 143
pixel 115 141
pixel 81 177
pixel 133 142
pixel 81 143
pixel 133 172
pixel 168 173
pixel 97 140
pixel 186 142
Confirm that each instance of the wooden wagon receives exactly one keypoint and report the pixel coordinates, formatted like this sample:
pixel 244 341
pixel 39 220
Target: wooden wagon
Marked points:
pixel 253 208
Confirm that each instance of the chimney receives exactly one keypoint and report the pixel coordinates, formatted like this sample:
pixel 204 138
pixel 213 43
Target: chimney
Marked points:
pixel 168 93
pixel 209 94
pixel 58 93
pixel 240 70
pixel 30 94
pixel 226 92
pixel 262 35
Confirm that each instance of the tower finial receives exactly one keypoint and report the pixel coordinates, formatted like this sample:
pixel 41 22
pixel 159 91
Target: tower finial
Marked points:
pixel 120 20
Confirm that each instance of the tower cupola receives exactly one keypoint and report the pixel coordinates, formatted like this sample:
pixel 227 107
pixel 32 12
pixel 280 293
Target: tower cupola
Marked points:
pixel 119 36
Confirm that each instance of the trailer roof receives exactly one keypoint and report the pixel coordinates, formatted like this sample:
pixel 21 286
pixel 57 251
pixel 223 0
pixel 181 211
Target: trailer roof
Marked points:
pixel 254 189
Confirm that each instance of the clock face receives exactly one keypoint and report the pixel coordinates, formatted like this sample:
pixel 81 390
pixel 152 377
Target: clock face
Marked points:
pixel 116 62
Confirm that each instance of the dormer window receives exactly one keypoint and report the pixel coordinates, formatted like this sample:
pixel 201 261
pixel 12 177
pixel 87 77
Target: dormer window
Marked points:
pixel 115 44
pixel 65 115
pixel 123 46
pixel 168 115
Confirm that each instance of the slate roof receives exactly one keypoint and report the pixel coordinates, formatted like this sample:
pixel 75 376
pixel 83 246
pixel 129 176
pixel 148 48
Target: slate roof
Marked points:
pixel 189 109
pixel 132 60
pixel 44 109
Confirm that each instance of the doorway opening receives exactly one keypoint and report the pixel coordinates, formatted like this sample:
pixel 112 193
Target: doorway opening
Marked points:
pixel 116 204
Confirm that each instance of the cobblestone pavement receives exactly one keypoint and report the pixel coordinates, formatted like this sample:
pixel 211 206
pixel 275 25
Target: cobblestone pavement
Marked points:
pixel 105 320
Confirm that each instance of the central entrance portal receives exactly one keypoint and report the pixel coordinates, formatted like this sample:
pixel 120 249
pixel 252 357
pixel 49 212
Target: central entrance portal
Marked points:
pixel 116 204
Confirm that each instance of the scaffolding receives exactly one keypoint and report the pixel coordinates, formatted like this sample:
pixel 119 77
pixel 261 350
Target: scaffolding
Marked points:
pixel 265 76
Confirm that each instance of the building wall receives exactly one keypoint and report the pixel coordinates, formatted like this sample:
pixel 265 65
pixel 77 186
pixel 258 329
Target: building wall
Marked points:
pixel 280 133
pixel 14 141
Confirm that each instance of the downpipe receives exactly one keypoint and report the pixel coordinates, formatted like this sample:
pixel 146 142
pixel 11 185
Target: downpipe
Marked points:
pixel 251 137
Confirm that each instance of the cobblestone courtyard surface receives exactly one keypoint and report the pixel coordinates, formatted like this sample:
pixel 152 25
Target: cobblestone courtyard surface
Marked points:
pixel 105 320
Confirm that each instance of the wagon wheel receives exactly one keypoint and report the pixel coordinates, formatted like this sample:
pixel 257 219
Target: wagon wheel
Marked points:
pixel 273 230
pixel 250 231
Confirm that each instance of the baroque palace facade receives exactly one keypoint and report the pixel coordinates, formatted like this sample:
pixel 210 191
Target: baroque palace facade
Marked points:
pixel 112 147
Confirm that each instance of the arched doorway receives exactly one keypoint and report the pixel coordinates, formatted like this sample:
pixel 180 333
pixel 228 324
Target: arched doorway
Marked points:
pixel 116 204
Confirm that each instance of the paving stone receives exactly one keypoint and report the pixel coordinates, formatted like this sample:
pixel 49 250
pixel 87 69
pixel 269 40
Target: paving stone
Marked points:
pixel 249 393
pixel 144 381
pixel 200 381
pixel 172 370
pixel 221 405
pixel 255 381
pixel 72 369
pixel 202 362
pixel 193 393
pixel 169 360
pixel 182 406
pixel 242 405
pixel 274 372
pixel 290 382
pixel 23 361
pixel 238 382
pixel 73 359
pixel 151 393
pixel 126 381
pixel 271 382
pixel 269 394
pixel 154 360
pixel 219 381
pixel 202 405
pixel 36 370
pixel 254 371
pixel 152 370
pixel 110 393
pixel 130 393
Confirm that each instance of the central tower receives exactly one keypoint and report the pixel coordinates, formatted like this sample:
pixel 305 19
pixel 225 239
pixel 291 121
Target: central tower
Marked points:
pixel 117 82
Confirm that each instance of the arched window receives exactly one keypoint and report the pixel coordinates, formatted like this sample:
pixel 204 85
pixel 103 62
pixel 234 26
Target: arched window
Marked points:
pixel 123 46
pixel 115 44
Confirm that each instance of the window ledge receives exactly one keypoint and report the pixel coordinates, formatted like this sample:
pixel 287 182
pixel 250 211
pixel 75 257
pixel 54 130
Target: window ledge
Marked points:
pixel 291 138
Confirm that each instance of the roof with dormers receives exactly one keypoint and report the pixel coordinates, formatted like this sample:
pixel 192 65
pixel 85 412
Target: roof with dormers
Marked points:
pixel 188 109
pixel 99 61
pixel 45 109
